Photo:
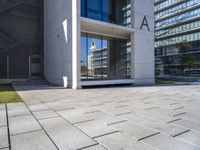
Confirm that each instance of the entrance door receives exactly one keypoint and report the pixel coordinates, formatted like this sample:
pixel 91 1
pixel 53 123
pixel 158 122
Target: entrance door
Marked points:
pixel 35 68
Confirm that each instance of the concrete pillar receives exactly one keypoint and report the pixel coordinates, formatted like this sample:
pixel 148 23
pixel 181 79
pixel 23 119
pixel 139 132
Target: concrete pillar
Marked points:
pixel 76 83
pixel 142 41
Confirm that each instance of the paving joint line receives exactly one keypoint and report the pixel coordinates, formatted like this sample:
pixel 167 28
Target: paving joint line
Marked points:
pixel 4 148
pixel 90 112
pixel 96 105
pixel 83 121
pixel 151 108
pixel 148 136
pixel 121 106
pixel 49 118
pixel 181 133
pixel 174 120
pixel 175 103
pixel 41 110
pixel 19 115
pixel 105 134
pixel 183 113
pixel 8 129
pixel 123 113
pixel 88 146
pixel 113 123
pixel 179 108
pixel 26 132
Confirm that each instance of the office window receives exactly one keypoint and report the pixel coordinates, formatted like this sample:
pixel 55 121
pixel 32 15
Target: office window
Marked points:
pixel 111 11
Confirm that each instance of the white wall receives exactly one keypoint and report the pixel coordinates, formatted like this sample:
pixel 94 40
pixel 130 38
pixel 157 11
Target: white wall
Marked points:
pixel 143 42
pixel 58 41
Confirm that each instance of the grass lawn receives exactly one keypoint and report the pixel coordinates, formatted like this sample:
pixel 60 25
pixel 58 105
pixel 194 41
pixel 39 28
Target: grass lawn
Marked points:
pixel 165 82
pixel 8 94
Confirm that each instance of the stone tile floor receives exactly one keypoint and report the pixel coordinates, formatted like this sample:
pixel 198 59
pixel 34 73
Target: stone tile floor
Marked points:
pixel 122 118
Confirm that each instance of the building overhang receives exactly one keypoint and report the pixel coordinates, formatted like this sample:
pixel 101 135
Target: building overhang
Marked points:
pixel 106 29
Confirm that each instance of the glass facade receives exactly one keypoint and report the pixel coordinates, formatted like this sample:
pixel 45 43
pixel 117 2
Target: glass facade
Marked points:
pixel 177 21
pixel 111 11
pixel 104 57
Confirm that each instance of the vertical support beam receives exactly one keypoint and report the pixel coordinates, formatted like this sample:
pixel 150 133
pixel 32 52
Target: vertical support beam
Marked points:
pixel 8 66
pixel 29 67
pixel 143 41
pixel 76 84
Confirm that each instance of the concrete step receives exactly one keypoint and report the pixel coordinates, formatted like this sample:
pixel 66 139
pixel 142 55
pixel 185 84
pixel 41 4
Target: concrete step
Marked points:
pixel 24 81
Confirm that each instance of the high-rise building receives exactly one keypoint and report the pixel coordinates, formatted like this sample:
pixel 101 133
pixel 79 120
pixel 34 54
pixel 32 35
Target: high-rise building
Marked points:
pixel 99 42
pixel 176 21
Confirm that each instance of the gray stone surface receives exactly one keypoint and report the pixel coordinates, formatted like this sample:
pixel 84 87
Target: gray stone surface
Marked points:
pixel 37 140
pixel 65 135
pixel 164 142
pixel 2 106
pixel 115 117
pixel 135 130
pixel 22 124
pixel 17 109
pixel 191 137
pixel 3 137
pixel 119 141
pixel 3 120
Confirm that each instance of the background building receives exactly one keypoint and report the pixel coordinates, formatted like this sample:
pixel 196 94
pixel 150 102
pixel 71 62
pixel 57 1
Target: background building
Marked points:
pixel 98 42
pixel 21 38
pixel 176 21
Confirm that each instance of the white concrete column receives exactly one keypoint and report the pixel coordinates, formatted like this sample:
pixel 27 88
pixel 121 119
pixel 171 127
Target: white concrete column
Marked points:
pixel 143 41
pixel 76 83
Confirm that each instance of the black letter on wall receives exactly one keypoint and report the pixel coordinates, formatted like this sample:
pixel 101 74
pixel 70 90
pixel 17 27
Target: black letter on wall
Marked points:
pixel 145 23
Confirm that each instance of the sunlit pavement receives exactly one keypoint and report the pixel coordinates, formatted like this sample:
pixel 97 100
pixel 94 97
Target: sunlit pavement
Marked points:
pixel 122 118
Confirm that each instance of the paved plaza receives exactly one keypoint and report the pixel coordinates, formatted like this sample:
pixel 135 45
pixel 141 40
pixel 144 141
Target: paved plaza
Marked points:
pixel 120 118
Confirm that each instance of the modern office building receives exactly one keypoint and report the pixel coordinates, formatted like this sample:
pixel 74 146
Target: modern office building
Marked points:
pixel 98 42
pixel 176 21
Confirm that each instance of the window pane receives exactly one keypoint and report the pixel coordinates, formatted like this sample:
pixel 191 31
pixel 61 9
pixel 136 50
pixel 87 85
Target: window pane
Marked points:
pixel 94 9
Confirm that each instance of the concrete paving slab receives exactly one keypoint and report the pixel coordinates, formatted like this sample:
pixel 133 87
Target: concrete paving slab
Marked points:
pixel 65 135
pixel 32 141
pixel 121 141
pixel 164 142
pixel 3 120
pixel 95 128
pixel 137 131
pixel 188 124
pixel 3 137
pixel 38 107
pixel 77 115
pixel 191 137
pixel 2 106
pixel 45 114
pixel 151 107
pixel 22 124
pixel 162 127
pixel 16 109
pixel 5 149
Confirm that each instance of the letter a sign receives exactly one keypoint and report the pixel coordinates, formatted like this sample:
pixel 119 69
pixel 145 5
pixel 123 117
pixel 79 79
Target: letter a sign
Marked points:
pixel 145 23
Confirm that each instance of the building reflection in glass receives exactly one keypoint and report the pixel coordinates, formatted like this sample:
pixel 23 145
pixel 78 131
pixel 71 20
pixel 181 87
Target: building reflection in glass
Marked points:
pixel 104 57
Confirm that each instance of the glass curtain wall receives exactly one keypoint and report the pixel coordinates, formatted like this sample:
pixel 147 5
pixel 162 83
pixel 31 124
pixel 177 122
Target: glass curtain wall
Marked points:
pixel 111 11
pixel 104 57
